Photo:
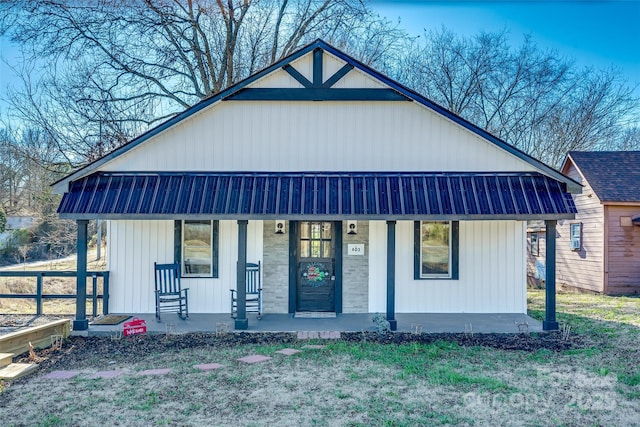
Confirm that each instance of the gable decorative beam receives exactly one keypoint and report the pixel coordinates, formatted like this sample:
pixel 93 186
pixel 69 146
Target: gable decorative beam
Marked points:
pixel 317 90
pixel 317 94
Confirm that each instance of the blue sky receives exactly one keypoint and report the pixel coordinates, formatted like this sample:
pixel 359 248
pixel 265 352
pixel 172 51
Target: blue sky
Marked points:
pixel 594 33
pixel 598 34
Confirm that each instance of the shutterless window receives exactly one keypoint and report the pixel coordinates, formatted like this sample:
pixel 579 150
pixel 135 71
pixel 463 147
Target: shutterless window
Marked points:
pixel 435 249
pixel 576 236
pixel 198 249
pixel 535 244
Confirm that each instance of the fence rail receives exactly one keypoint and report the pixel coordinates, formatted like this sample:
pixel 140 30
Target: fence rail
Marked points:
pixel 39 296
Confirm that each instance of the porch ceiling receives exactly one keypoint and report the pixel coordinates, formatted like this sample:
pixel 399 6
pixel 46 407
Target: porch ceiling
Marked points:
pixel 327 195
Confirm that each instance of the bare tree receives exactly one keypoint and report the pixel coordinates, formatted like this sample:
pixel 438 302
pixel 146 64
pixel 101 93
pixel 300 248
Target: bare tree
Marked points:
pixel 98 73
pixel 29 163
pixel 630 139
pixel 113 68
pixel 536 100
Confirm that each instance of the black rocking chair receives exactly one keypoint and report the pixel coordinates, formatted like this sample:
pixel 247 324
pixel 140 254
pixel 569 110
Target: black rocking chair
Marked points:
pixel 254 292
pixel 170 297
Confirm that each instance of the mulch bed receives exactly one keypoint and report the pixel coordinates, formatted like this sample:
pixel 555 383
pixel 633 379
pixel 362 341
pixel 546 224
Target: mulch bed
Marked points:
pixel 135 348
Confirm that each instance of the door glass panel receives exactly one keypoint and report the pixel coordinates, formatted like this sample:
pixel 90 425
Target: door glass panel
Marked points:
pixel 326 230
pixel 304 249
pixel 327 249
pixel 304 230
pixel 315 240
pixel 315 249
pixel 315 230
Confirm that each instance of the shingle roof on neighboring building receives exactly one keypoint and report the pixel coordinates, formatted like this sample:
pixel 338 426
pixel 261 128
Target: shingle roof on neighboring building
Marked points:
pixel 613 175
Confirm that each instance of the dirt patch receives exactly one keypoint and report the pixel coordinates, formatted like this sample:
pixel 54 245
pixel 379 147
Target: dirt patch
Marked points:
pixel 81 351
pixel 527 342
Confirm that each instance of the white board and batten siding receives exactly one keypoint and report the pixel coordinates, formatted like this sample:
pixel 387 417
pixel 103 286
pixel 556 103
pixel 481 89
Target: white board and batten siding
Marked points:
pixel 135 245
pixel 317 136
pixel 491 271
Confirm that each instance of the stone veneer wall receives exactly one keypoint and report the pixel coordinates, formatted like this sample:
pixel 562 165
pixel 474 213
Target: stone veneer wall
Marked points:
pixel 275 269
pixel 355 271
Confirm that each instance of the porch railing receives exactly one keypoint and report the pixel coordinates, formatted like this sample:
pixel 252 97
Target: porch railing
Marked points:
pixel 40 296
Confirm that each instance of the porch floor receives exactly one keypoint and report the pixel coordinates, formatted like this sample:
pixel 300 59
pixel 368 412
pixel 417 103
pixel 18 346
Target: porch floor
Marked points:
pixel 427 323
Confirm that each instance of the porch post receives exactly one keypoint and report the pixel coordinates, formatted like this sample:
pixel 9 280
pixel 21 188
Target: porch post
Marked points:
pixel 241 320
pixel 391 275
pixel 550 322
pixel 81 323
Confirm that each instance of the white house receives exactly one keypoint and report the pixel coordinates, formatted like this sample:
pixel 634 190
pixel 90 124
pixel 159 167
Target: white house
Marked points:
pixel 387 201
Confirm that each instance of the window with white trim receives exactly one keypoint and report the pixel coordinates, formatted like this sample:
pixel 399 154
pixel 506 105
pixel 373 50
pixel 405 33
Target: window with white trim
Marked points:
pixel 199 248
pixel 575 238
pixel 436 250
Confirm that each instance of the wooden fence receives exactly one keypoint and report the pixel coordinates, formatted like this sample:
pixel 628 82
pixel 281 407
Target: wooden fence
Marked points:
pixel 39 296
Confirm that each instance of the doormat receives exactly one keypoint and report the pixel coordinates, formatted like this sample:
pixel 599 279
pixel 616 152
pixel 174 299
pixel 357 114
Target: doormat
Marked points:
pixel 315 315
pixel 111 319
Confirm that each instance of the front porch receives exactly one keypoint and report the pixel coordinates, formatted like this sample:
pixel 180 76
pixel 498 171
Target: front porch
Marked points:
pixel 480 323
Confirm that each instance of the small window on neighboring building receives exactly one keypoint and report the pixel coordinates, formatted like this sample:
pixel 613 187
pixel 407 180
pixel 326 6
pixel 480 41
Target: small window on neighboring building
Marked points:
pixel 575 242
pixel 199 250
pixel 534 245
pixel 436 250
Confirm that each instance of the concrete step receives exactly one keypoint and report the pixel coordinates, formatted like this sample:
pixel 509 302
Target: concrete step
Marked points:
pixel 6 359
pixel 17 370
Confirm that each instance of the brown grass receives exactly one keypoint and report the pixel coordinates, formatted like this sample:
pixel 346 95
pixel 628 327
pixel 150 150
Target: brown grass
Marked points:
pixel 51 285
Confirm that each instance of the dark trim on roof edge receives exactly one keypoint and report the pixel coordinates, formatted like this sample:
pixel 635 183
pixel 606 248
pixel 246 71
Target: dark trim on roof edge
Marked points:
pixel 572 186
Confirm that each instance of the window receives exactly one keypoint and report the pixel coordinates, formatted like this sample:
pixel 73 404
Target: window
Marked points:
pixel 534 245
pixel 197 251
pixel 436 249
pixel 315 240
pixel 575 238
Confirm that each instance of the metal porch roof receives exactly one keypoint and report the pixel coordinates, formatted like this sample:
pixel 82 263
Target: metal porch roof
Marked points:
pixel 330 195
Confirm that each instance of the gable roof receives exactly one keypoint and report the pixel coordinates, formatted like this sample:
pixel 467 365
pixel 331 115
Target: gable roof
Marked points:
pixel 403 91
pixel 613 175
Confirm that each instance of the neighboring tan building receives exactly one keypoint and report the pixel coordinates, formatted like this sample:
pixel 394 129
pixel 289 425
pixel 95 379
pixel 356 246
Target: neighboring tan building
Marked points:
pixel 600 250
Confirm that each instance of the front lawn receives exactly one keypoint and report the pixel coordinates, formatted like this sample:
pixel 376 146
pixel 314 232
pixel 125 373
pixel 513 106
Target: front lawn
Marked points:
pixel 357 383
